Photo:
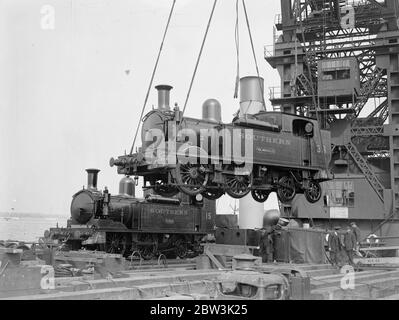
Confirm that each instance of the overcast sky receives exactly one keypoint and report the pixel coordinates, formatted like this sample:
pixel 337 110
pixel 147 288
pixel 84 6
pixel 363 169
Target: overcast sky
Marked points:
pixel 71 91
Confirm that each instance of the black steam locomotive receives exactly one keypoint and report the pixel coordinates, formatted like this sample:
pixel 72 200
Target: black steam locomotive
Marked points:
pixel 258 153
pixel 125 224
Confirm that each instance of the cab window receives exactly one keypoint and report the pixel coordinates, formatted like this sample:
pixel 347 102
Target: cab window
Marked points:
pixel 341 74
pixel 302 128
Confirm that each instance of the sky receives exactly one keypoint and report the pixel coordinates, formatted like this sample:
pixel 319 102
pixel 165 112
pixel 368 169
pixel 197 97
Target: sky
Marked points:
pixel 73 78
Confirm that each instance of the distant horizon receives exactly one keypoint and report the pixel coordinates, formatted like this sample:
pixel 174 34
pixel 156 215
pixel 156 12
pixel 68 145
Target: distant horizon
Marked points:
pixel 30 214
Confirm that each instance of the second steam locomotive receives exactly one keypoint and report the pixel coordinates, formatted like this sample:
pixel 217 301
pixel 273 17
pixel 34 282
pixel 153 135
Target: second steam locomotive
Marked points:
pixel 125 224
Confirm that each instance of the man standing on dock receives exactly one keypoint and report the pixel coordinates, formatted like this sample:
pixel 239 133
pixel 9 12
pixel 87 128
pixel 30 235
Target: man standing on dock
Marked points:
pixel 350 244
pixel 356 231
pixel 334 246
pixel 266 245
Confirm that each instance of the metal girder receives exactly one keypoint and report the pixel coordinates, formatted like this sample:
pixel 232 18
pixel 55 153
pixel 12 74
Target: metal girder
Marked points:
pixel 305 85
pixel 312 15
pixel 367 89
pixel 367 131
pixel 379 155
pixel 366 170
pixel 381 112
pixel 389 218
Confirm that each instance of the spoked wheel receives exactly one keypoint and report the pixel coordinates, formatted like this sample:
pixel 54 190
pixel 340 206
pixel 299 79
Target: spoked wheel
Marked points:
pixel 148 247
pixel 286 189
pixel 313 192
pixel 260 195
pixel 181 249
pixel 115 243
pixel 191 178
pixel 213 191
pixel 147 252
pixel 237 186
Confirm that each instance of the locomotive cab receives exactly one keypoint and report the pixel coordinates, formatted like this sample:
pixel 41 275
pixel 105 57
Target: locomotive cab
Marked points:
pixel 285 122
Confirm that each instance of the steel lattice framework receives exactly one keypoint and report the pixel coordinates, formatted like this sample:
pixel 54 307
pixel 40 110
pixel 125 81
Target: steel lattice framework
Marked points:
pixel 308 31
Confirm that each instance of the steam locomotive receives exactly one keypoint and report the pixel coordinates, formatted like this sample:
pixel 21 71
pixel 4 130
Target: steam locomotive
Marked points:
pixel 125 224
pixel 259 152
pixel 187 164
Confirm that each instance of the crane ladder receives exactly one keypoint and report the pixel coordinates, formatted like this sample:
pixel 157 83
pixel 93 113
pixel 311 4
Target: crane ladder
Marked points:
pixel 366 170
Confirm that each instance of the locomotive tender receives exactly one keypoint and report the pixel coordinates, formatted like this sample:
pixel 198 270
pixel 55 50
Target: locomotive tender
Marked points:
pixel 125 224
pixel 259 153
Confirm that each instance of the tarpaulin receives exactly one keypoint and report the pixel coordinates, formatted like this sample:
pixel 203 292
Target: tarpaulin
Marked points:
pixel 227 221
pixel 299 245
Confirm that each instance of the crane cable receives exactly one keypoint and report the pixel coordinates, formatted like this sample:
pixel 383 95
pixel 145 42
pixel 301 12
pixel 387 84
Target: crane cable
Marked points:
pixel 253 52
pixel 199 56
pixel 153 74
pixel 314 100
pixel 237 42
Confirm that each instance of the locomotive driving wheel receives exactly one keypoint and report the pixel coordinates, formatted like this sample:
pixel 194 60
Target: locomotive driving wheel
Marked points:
pixel 260 195
pixel 191 178
pixel 147 252
pixel 237 186
pixel 313 191
pixel 213 191
pixel 147 246
pixel 181 249
pixel 115 243
pixel 286 189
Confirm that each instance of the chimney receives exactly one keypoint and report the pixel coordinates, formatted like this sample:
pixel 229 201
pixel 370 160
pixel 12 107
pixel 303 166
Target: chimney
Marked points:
pixel 92 175
pixel 164 96
pixel 251 95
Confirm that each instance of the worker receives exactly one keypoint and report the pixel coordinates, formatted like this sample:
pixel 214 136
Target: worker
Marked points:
pixel 356 231
pixel 266 245
pixel 349 244
pixel 334 246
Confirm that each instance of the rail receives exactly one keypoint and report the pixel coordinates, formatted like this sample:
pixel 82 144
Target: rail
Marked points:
pixel 270 50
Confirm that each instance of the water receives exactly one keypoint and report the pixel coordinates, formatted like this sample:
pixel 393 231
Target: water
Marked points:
pixel 27 227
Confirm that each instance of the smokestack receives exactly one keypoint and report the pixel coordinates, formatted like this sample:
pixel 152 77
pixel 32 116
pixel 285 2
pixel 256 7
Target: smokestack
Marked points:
pixel 251 95
pixel 251 102
pixel 92 175
pixel 164 96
